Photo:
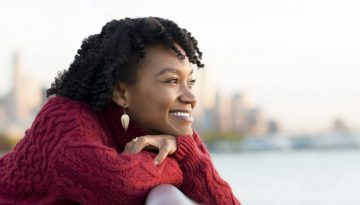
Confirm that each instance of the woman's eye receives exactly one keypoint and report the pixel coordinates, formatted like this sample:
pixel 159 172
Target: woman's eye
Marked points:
pixel 191 82
pixel 175 81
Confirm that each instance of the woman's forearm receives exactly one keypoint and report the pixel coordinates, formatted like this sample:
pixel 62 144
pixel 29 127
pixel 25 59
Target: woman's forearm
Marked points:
pixel 112 178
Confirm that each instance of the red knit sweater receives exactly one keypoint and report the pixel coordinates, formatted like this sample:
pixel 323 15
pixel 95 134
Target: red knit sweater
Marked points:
pixel 72 154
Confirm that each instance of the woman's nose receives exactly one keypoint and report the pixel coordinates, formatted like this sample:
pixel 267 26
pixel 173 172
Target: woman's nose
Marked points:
pixel 188 97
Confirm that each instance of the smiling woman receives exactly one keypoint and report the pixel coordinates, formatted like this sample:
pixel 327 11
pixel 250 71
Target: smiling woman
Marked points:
pixel 117 127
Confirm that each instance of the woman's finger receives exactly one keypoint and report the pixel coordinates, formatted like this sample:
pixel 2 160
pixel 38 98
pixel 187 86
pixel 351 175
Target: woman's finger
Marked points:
pixel 143 142
pixel 166 145
pixel 163 153
pixel 128 147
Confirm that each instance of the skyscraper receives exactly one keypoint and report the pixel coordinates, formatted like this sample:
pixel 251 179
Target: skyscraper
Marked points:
pixel 18 108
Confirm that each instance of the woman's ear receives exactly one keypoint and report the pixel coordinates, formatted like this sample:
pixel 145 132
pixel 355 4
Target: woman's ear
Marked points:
pixel 120 95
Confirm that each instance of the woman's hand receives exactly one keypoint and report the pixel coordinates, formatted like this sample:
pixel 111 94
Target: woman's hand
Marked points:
pixel 166 144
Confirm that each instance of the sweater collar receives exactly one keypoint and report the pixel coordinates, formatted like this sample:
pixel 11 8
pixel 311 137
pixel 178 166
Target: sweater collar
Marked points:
pixel 111 116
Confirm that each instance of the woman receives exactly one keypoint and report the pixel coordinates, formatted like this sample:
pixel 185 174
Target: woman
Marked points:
pixel 117 124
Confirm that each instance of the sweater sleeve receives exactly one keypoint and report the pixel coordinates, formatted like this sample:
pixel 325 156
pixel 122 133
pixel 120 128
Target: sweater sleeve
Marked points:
pixel 98 174
pixel 201 182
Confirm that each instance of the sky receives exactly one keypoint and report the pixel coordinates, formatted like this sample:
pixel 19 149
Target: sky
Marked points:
pixel 298 60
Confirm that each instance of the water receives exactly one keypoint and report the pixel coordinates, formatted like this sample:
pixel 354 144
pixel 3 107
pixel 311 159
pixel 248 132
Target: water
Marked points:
pixel 293 178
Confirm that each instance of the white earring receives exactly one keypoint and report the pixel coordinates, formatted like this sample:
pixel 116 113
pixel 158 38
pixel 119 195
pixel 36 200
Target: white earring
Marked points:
pixel 125 119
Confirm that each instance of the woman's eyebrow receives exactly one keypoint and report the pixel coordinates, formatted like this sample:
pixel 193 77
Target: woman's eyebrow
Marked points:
pixel 172 70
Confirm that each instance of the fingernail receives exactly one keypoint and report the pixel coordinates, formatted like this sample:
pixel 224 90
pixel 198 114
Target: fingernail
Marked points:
pixel 156 162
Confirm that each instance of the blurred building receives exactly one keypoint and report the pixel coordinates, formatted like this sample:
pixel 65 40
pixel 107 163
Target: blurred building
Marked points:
pixel 19 107
pixel 246 118
pixel 339 125
pixel 223 106
pixel 256 122
pixel 273 127
pixel 2 113
pixel 240 105
pixel 219 112
pixel 205 113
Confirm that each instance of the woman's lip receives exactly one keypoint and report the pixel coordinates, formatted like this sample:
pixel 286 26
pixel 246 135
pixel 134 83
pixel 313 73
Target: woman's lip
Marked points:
pixel 188 119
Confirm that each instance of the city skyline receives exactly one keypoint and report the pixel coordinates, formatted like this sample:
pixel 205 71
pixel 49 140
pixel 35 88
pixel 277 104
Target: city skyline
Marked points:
pixel 298 60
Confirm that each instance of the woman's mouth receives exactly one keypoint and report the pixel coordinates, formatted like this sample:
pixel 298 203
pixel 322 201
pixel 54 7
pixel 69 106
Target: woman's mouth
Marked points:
pixel 184 116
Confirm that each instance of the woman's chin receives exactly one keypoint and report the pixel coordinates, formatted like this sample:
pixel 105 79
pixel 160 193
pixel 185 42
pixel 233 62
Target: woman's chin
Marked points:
pixel 184 132
pixel 173 131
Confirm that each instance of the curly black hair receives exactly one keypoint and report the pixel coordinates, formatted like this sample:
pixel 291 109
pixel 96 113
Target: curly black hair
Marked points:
pixel 107 58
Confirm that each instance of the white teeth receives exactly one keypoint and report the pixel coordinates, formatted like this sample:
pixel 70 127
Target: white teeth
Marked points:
pixel 184 114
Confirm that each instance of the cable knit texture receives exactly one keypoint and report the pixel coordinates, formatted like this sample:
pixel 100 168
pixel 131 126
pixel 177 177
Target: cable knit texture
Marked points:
pixel 72 155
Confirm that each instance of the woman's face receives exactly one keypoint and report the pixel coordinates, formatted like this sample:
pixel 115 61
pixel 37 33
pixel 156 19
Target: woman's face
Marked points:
pixel 161 100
